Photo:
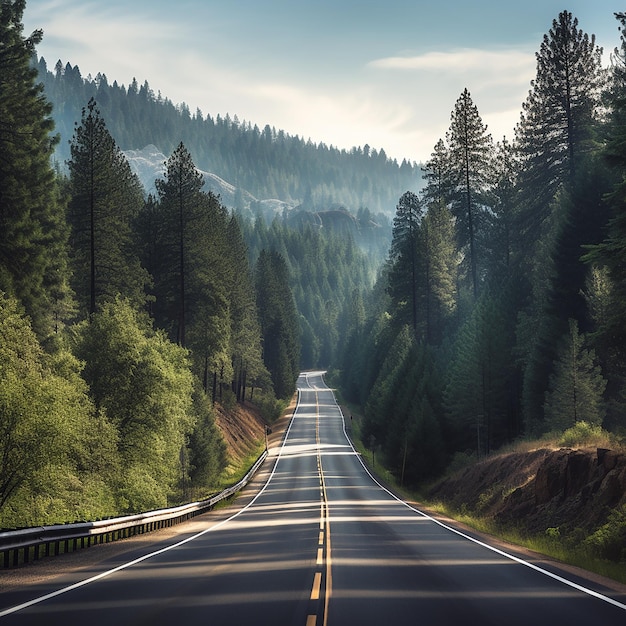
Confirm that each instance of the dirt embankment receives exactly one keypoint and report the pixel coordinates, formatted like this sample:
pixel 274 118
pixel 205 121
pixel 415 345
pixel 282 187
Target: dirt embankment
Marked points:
pixel 545 488
pixel 242 428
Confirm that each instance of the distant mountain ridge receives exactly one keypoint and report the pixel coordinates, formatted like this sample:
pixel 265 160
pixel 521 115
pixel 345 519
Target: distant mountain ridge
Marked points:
pixel 244 162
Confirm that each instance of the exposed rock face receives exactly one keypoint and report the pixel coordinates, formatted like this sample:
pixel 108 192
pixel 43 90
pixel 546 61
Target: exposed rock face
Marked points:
pixel 542 489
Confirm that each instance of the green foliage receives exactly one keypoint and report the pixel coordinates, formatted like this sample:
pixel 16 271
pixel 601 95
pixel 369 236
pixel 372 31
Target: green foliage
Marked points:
pixel 33 233
pixel 144 384
pixel 609 540
pixel 478 380
pixel 58 458
pixel 576 386
pixel 583 433
pixel 279 322
pixel 105 199
pixel 207 448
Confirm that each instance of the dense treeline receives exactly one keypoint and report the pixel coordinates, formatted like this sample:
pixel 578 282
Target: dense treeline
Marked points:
pixel 327 273
pixel 123 319
pixel 500 311
pixel 265 162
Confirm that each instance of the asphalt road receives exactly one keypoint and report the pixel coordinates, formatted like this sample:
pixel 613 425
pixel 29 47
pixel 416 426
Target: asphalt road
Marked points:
pixel 321 543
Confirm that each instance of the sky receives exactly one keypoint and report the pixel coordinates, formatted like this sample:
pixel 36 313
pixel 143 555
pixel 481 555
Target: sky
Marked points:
pixel 346 73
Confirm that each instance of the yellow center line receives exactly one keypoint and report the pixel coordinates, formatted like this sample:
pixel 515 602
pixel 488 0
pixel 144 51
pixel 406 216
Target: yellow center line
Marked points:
pixel 324 535
pixel 317 583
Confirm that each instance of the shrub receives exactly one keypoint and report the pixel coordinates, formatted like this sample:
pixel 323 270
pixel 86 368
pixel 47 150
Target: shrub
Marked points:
pixel 583 433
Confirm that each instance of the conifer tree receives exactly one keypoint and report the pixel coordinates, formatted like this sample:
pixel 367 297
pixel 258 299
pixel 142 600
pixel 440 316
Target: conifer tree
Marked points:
pixel 440 261
pixel 576 385
pixel 438 175
pixel 106 198
pixel 33 233
pixel 184 219
pixel 477 392
pixel 557 123
pixel 470 148
pixel 608 257
pixel 500 229
pixel 279 322
pixel 403 273
pixel 235 277
pixel 559 206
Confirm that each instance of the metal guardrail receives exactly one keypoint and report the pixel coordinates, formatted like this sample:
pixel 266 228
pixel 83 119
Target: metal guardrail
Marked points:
pixel 58 538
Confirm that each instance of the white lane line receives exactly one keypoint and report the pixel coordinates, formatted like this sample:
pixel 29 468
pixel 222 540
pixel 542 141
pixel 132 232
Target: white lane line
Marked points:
pixel 511 557
pixel 145 557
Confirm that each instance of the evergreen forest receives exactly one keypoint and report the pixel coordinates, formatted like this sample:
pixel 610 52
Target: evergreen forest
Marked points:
pixel 500 311
pixel 125 317
pixel 266 163
pixel 484 302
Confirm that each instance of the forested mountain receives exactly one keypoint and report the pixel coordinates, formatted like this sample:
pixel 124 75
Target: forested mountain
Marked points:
pixel 266 163
pixel 500 312
pixel 125 316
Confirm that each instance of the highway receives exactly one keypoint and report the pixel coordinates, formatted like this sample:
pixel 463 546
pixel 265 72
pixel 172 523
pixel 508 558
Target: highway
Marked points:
pixel 321 543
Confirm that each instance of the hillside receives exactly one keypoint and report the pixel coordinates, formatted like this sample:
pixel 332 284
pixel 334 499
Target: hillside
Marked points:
pixel 578 495
pixel 263 164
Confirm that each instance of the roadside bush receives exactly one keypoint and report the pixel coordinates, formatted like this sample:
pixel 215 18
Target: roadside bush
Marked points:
pixel 583 433
pixel 609 541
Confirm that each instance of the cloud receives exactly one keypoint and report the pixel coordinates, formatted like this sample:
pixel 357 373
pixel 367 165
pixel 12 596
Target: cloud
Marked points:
pixel 399 103
pixel 504 63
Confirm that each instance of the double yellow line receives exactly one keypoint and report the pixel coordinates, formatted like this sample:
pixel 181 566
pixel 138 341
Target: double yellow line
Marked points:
pixel 323 565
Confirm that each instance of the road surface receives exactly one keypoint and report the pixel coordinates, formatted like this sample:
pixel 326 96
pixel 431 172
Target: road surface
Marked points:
pixel 321 543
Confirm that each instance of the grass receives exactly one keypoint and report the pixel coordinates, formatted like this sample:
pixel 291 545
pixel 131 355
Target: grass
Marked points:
pixel 551 544
pixel 238 468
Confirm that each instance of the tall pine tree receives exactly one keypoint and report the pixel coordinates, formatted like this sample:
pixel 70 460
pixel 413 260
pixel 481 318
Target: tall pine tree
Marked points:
pixel 404 287
pixel 33 234
pixel 557 123
pixel 106 198
pixel 470 149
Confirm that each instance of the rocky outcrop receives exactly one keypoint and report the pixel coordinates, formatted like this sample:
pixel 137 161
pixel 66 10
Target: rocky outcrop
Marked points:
pixel 565 488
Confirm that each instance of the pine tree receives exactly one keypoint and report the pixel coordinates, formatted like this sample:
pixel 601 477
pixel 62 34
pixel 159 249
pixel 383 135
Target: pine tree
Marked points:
pixel 33 233
pixel 106 198
pixel 184 216
pixel 440 267
pixel 279 322
pixel 476 396
pixel 500 230
pixel 576 385
pixel 438 175
pixel 470 153
pixel 559 206
pixel 403 274
pixel 608 257
pixel 557 124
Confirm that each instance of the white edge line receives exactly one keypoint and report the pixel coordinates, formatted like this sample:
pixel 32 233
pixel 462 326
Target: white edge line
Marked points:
pixel 556 577
pixel 87 581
